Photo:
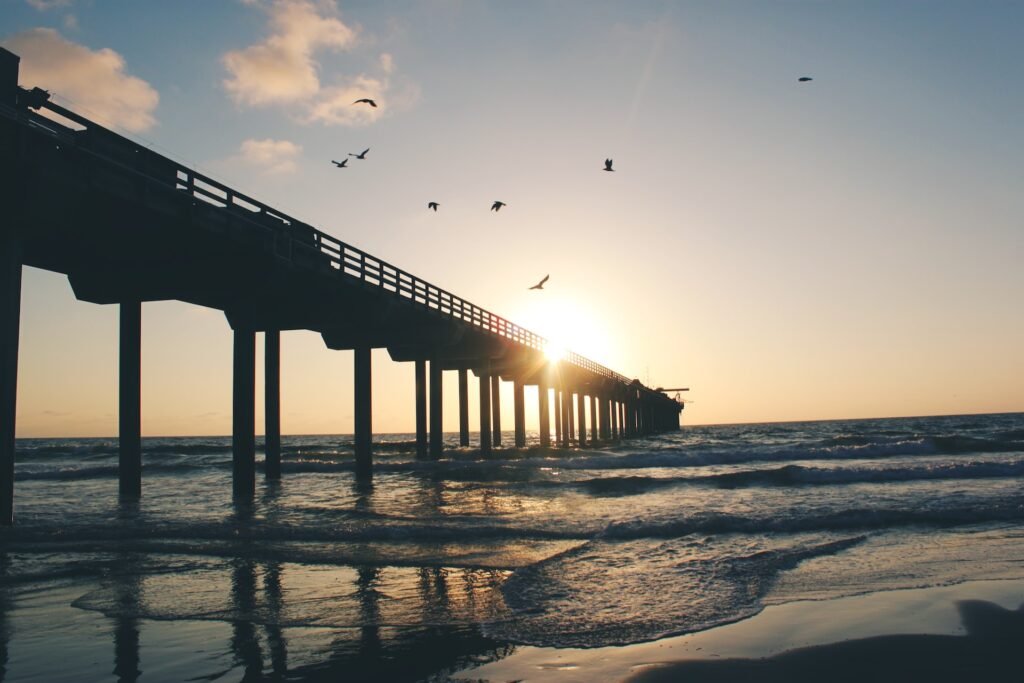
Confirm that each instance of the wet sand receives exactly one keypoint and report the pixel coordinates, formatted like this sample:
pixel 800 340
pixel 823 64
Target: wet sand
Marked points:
pixel 964 632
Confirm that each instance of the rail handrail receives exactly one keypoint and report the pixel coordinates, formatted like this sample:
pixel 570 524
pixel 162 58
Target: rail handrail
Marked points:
pixel 348 260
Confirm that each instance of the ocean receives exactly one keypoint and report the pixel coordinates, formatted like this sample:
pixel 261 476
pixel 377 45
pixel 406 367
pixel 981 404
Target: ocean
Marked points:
pixel 437 566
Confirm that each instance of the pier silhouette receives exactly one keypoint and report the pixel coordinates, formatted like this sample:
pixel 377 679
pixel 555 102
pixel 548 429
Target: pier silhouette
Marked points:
pixel 128 225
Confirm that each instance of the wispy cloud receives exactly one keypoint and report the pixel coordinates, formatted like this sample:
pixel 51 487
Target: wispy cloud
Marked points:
pixel 94 80
pixel 43 5
pixel 271 156
pixel 282 68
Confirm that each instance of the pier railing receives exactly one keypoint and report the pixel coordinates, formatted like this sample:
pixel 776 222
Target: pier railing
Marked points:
pixel 349 261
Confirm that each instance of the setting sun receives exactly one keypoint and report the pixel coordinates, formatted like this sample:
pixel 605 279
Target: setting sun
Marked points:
pixel 568 326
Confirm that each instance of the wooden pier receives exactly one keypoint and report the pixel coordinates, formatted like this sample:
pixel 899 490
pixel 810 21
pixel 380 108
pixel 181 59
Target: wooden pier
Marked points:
pixel 128 225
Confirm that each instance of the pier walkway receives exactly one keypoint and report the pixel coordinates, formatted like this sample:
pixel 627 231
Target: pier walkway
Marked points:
pixel 128 225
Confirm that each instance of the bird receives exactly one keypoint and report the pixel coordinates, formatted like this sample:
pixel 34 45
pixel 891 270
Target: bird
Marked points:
pixel 340 164
pixel 361 155
pixel 433 205
pixel 804 79
pixel 540 285
pixel 366 100
pixel 608 165
pixel 496 206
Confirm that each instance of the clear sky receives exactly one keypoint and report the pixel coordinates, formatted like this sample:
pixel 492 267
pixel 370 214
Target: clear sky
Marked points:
pixel 847 247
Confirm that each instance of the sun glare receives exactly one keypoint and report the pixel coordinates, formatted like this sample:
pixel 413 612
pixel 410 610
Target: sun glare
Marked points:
pixel 567 327
pixel 554 351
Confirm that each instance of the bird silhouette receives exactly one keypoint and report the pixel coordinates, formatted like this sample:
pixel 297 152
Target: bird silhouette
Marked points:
pixel 540 285
pixel 340 164
pixel 361 155
pixel 496 206
pixel 804 79
pixel 366 100
pixel 608 165
pixel 433 205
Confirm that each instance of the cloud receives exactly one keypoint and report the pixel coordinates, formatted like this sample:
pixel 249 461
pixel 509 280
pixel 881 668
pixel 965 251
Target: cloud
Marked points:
pixel 94 80
pixel 282 69
pixel 273 156
pixel 43 5
pixel 335 105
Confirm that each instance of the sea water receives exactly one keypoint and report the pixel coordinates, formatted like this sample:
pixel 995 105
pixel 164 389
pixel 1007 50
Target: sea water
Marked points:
pixel 436 565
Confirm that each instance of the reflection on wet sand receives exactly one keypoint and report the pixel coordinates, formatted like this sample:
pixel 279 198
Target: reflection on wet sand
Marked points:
pixel 380 622
pixel 987 653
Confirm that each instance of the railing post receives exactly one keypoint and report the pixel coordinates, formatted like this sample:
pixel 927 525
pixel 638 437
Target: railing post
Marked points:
pixel 496 409
pixel 243 415
pixel 363 410
pixel 519 406
pixel 129 400
pixel 272 404
pixel 421 408
pixel 485 413
pixel 436 437
pixel 10 319
pixel 463 407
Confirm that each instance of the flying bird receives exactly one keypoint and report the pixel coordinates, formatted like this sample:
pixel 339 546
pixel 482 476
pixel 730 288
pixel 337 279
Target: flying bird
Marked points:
pixel 540 285
pixel 340 164
pixel 433 205
pixel 361 155
pixel 496 206
pixel 804 79
pixel 366 100
pixel 608 165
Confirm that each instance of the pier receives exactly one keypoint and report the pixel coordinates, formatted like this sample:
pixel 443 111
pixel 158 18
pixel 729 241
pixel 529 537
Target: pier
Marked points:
pixel 129 226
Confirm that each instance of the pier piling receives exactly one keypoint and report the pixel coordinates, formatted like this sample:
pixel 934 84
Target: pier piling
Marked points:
pixel 463 407
pixel 436 436
pixel 544 414
pixel 243 414
pixel 10 318
pixel 129 401
pixel 496 410
pixel 363 411
pixel 272 404
pixel 421 408
pixel 519 408
pixel 485 413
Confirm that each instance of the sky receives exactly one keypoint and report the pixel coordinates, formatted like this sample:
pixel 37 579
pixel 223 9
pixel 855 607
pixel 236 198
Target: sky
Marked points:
pixel 842 248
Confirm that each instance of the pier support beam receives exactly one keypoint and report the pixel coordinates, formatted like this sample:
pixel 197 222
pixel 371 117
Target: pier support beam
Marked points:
pixel 570 417
pixel 496 409
pixel 593 418
pixel 421 408
pixel 272 404
pixel 581 413
pixel 363 409
pixel 10 318
pixel 616 430
pixel 243 415
pixel 485 414
pixel 545 414
pixel 129 402
pixel 436 436
pixel 463 407
pixel 519 405
pixel 558 416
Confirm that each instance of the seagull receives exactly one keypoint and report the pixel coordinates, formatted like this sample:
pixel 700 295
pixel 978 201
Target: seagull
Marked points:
pixel 496 206
pixel 540 285
pixel 366 100
pixel 804 79
pixel 608 165
pixel 361 155
pixel 433 205
pixel 340 164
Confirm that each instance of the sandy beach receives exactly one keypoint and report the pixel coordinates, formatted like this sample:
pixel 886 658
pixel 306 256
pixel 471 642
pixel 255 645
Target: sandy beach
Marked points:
pixel 948 633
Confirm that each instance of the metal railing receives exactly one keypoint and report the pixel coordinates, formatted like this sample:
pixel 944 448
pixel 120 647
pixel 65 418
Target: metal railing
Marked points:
pixel 347 260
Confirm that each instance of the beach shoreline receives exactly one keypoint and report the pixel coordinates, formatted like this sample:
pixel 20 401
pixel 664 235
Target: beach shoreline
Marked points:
pixel 933 633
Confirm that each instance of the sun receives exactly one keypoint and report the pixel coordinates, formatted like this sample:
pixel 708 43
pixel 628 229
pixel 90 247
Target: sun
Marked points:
pixel 568 326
